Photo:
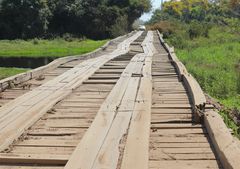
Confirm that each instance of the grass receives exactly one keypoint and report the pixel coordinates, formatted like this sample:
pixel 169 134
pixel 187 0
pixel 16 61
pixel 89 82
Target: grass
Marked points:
pixel 215 62
pixel 47 48
pixel 7 72
pixel 230 124
pixel 43 48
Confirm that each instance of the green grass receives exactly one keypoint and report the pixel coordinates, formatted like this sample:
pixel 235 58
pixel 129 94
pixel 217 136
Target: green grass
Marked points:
pixel 47 48
pixel 230 123
pixel 7 72
pixel 215 63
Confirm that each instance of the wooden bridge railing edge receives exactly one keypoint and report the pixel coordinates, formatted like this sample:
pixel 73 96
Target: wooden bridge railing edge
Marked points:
pixel 196 94
pixel 226 147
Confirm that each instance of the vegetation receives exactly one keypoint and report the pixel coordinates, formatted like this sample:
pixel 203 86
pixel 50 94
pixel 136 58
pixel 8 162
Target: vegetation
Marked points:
pixel 206 37
pixel 95 19
pixel 214 61
pixel 6 72
pixel 47 48
pixel 230 123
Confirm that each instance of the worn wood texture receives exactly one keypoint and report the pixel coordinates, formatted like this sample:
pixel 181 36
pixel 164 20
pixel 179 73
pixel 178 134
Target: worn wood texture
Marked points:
pixel 116 110
pixel 226 147
pixel 136 154
pixel 24 111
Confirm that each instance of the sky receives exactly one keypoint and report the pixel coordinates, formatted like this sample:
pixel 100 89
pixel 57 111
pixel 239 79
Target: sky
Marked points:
pixel 155 4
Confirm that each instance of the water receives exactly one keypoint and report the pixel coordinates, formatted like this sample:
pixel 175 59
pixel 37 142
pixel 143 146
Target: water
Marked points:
pixel 21 62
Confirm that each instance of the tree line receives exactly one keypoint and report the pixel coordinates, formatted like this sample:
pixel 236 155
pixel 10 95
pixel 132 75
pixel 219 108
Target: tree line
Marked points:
pixel 194 18
pixel 96 19
pixel 211 11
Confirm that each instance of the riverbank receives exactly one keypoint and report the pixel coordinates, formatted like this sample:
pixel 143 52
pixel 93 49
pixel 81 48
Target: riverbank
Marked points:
pixel 47 48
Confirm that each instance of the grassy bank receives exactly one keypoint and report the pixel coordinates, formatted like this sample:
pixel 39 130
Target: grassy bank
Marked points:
pixel 47 48
pixel 7 72
pixel 43 48
pixel 215 62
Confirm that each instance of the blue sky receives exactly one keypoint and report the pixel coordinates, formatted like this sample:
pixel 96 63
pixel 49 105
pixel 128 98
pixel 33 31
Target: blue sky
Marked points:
pixel 156 4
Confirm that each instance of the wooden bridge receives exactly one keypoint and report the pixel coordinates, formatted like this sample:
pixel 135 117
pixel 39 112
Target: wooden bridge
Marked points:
pixel 129 105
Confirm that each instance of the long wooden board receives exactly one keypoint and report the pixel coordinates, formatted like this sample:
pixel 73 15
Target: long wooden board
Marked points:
pixel 116 110
pixel 136 150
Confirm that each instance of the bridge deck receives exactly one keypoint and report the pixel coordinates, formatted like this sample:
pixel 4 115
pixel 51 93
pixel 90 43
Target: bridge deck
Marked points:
pixel 125 109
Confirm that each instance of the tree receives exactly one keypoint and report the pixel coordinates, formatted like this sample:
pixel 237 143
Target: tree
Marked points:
pixel 24 18
pixel 96 19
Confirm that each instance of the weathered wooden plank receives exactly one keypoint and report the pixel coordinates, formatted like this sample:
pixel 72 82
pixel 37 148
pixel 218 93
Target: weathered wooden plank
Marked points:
pixel 181 145
pixel 160 155
pixel 34 159
pixel 29 167
pixel 42 150
pixel 47 143
pixel 136 150
pixel 184 164
pixel 227 149
pixel 173 139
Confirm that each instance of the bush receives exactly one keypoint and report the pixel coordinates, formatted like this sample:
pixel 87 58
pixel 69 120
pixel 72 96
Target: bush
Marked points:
pixel 197 29
pixel 178 41
pixel 120 27
pixel 165 27
pixel 35 41
pixel 68 37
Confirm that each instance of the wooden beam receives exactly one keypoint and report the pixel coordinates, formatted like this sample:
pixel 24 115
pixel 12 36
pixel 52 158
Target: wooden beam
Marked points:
pixel 227 148
pixel 33 159
pixel 137 146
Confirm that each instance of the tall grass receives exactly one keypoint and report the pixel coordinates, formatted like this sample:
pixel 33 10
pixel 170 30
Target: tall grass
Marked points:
pixel 215 61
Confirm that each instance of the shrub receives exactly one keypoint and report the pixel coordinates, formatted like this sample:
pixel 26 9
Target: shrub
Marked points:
pixel 120 27
pixel 197 29
pixel 165 27
pixel 68 37
pixel 35 41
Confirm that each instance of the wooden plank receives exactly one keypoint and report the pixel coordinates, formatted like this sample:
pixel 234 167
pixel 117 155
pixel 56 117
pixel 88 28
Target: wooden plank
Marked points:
pixel 171 111
pixel 136 150
pixel 185 150
pixel 109 153
pixel 45 159
pixel 47 143
pixel 29 167
pixel 108 156
pixel 180 145
pixel 227 148
pixel 179 131
pixel 42 150
pixel 173 139
pixel 159 155
pixel 184 164
pixel 175 126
